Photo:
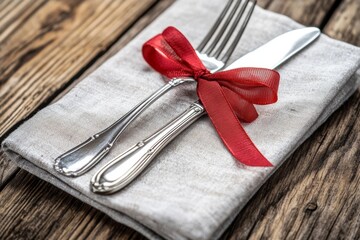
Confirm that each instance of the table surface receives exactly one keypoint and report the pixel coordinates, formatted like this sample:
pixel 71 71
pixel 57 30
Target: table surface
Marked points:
pixel 48 46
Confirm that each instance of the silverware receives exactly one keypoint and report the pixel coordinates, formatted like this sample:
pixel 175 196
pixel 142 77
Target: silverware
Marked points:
pixel 123 169
pixel 83 157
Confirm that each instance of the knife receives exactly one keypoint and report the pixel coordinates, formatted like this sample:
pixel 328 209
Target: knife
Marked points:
pixel 120 171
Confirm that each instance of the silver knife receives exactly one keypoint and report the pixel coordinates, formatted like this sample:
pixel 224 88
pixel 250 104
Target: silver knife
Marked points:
pixel 120 171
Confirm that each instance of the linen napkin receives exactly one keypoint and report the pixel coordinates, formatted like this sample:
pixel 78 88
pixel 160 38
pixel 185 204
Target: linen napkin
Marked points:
pixel 194 188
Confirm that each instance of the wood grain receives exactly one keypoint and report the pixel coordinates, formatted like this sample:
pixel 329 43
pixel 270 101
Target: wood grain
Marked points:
pixel 345 23
pixel 20 214
pixel 315 194
pixel 76 32
pixel 45 44
pixel 33 209
pixel 7 169
pixel 308 12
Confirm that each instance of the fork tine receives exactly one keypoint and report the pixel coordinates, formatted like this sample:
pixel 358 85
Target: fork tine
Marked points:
pixel 231 30
pixel 215 42
pixel 223 28
pixel 230 50
pixel 214 27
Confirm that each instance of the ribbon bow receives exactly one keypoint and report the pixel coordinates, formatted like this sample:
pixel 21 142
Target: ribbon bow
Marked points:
pixel 228 96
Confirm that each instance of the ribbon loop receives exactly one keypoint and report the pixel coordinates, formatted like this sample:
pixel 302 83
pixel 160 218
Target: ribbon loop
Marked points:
pixel 228 96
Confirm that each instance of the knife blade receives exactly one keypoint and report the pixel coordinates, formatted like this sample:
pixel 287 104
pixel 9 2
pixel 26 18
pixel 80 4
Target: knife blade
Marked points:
pixel 120 171
pixel 280 49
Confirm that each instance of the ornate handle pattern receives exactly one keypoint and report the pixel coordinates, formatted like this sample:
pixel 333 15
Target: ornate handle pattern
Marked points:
pixel 83 157
pixel 123 169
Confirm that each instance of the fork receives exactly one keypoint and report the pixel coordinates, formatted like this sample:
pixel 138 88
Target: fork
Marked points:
pixel 124 168
pixel 211 51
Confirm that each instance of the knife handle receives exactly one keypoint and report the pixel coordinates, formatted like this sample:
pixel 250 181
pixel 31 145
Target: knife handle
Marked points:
pixel 123 169
pixel 83 157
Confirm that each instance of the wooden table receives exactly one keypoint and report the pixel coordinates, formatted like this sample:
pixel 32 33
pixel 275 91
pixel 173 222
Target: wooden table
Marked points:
pixel 46 46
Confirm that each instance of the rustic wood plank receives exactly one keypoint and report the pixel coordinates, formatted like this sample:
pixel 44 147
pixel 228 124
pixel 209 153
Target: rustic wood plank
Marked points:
pixel 70 33
pixel 314 195
pixel 15 13
pixel 44 44
pixel 345 23
pixel 20 214
pixel 309 12
pixel 34 209
pixel 7 169
pixel 126 38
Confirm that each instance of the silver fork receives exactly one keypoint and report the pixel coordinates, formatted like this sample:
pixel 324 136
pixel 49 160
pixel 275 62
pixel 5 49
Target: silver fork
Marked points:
pixel 126 167
pixel 214 51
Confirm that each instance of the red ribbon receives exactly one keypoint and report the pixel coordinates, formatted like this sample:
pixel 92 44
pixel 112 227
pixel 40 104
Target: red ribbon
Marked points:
pixel 228 96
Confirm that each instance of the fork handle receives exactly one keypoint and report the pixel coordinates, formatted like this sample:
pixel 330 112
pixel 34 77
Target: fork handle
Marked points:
pixel 83 157
pixel 123 169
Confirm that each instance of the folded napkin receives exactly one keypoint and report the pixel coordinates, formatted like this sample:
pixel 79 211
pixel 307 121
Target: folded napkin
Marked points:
pixel 194 188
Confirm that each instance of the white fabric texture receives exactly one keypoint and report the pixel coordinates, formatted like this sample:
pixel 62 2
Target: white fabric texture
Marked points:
pixel 194 188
